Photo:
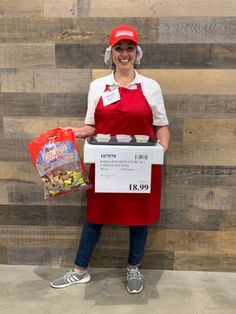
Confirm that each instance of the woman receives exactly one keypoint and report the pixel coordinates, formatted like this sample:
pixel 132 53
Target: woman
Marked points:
pixel 137 108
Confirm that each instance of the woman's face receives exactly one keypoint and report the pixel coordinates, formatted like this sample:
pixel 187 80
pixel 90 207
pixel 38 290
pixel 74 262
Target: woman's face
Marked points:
pixel 124 54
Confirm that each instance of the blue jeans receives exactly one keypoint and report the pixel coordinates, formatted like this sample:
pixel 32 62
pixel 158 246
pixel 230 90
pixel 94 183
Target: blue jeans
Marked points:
pixel 90 236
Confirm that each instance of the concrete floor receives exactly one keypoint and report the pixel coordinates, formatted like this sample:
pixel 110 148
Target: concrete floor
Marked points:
pixel 25 289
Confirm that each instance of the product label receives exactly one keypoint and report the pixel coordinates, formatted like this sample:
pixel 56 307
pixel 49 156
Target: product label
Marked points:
pixel 55 154
pixel 122 171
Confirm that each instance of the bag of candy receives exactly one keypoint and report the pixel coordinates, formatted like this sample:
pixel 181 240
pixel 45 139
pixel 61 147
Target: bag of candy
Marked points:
pixel 57 160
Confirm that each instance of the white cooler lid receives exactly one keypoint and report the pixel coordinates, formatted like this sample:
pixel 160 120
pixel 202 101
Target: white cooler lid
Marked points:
pixel 156 150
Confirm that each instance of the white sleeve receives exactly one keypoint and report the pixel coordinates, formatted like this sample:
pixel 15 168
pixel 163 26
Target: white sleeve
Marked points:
pixel 152 92
pixel 89 118
pixel 96 89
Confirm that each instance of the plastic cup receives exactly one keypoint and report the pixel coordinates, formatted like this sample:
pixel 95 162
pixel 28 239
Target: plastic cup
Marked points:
pixel 141 138
pixel 103 137
pixel 123 138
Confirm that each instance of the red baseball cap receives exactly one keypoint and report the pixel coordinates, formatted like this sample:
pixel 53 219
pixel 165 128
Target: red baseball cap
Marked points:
pixel 123 32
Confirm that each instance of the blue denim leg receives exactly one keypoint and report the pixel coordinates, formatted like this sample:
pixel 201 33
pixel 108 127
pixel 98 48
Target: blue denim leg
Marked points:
pixel 138 237
pixel 89 238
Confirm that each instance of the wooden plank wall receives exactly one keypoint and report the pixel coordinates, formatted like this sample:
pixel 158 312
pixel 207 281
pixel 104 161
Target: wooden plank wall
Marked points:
pixel 49 52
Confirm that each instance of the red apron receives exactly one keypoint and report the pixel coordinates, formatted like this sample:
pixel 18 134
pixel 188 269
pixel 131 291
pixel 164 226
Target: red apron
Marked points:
pixel 130 115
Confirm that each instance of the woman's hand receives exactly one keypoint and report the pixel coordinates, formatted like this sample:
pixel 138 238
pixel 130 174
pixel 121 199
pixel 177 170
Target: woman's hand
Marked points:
pixel 163 136
pixel 85 131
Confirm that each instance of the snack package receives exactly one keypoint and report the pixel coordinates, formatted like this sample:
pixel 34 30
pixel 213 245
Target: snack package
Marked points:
pixel 56 158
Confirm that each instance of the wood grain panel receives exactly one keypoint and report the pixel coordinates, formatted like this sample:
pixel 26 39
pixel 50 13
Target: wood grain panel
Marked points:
pixel 60 8
pixel 38 236
pixel 209 131
pixel 3 255
pixel 66 105
pixel 27 104
pixel 20 192
pixel 118 258
pixel 43 104
pixel 204 261
pixel 197 29
pixel 32 237
pixel 17 149
pixel 69 216
pixel 21 215
pixel 23 172
pixel 80 56
pixel 49 53
pixel 115 257
pixel 193 219
pixel 225 242
pixel 155 56
pixel 14 150
pixel 1 128
pixel 205 153
pixel 42 215
pixel 192 241
pixel 158 239
pixel 30 30
pixel 179 106
pixel 157 8
pixel 163 239
pixel 200 176
pixel 228 222
pixel 158 260
pixel 83 7
pixel 188 56
pixel 40 256
pixel 196 106
pixel 64 256
pixel 27 56
pixel 67 29
pixel 203 82
pixel 30 127
pixel 3 194
pixel 188 197
pixel 7 196
pixel 176 129
pixel 45 80
pixel 22 8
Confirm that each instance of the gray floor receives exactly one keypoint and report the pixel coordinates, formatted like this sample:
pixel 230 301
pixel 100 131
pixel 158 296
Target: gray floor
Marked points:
pixel 25 289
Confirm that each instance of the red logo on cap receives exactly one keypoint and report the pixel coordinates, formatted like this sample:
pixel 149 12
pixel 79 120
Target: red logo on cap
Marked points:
pixel 123 32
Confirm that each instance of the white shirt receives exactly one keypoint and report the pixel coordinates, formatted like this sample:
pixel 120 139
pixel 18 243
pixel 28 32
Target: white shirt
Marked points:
pixel 151 90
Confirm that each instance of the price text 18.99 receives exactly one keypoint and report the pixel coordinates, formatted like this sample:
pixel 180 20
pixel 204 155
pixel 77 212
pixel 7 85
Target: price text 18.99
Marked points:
pixel 138 187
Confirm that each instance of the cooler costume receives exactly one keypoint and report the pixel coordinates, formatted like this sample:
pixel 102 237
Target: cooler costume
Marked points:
pixel 130 115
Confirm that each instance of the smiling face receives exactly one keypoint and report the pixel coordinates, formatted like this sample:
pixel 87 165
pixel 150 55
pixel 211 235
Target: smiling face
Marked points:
pixel 124 55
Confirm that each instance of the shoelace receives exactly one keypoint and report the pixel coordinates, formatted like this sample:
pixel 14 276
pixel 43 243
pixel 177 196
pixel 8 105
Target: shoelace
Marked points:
pixel 134 273
pixel 68 274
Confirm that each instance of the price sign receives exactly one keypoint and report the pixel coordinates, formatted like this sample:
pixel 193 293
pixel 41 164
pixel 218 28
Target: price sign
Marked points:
pixel 122 171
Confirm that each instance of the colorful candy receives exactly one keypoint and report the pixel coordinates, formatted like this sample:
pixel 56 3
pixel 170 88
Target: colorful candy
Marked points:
pixel 57 160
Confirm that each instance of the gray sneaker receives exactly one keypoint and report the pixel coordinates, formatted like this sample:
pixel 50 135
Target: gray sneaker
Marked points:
pixel 70 278
pixel 135 280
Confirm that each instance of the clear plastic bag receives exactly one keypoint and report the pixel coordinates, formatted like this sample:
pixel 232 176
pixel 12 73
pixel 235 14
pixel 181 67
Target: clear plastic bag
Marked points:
pixel 57 160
